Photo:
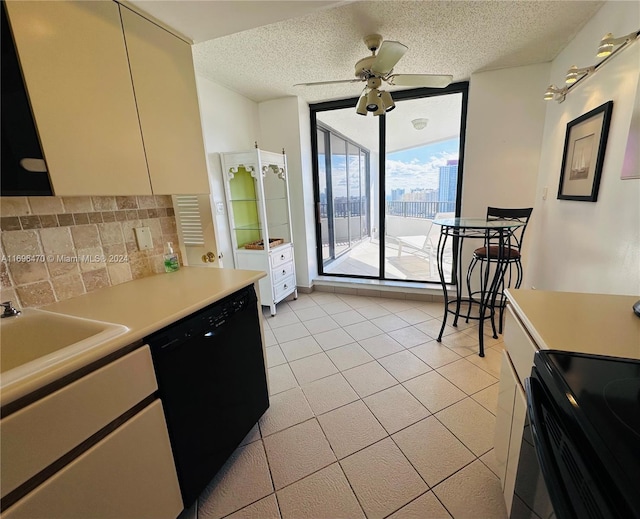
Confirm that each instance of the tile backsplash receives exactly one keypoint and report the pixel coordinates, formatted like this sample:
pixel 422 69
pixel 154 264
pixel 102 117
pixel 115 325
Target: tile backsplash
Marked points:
pixel 55 248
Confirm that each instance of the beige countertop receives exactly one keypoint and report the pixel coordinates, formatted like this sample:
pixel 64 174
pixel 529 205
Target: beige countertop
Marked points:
pixel 143 306
pixel 589 323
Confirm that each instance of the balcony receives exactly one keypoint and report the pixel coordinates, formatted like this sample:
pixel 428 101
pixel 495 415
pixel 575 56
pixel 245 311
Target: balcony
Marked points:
pixel 360 255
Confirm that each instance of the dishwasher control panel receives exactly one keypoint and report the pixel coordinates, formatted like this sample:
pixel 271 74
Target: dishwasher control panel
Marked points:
pixel 205 321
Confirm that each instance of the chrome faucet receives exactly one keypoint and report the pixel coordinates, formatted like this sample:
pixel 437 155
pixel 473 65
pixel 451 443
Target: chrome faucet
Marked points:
pixel 9 310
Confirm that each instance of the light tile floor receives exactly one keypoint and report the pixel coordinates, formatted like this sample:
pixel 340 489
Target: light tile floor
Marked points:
pixel 369 417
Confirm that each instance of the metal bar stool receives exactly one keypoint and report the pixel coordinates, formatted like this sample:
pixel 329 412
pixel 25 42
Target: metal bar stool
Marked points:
pixel 511 258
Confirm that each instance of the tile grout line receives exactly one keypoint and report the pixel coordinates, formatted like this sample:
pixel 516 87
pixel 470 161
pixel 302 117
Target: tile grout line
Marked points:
pixel 362 398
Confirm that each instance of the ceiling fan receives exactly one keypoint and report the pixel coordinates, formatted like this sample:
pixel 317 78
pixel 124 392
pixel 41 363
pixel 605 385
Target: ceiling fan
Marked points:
pixel 377 68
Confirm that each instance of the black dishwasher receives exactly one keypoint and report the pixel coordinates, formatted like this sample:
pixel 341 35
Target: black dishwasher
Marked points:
pixel 212 383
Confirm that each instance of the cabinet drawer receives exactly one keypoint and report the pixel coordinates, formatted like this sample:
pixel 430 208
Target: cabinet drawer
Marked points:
pixel 129 473
pixel 519 345
pixel 280 256
pixel 284 288
pixel 37 435
pixel 281 272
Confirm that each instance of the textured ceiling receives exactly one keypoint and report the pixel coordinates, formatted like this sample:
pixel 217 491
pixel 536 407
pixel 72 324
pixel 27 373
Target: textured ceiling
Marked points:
pixel 201 20
pixel 451 37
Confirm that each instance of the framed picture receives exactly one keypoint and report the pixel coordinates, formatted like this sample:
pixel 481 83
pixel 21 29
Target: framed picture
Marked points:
pixel 631 162
pixel 584 147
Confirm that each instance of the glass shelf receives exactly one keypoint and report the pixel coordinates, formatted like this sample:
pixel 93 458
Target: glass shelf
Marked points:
pixel 256 200
pixel 249 227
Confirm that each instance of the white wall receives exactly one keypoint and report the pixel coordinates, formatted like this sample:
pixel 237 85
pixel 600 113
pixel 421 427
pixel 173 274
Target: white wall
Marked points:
pixel 230 123
pixel 285 123
pixel 505 123
pixel 586 246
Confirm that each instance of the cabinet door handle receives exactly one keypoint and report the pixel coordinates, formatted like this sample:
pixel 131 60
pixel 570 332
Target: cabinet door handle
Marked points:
pixel 34 165
pixel 281 256
pixel 285 286
pixel 284 272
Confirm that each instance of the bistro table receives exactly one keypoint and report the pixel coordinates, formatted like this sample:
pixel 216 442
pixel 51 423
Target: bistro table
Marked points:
pixel 493 232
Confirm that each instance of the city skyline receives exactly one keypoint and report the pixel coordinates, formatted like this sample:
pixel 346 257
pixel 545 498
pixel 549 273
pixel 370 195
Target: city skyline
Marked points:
pixel 415 168
pixel 419 167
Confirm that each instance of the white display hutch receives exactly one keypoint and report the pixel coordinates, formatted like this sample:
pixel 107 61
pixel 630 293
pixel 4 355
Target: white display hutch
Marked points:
pixel 257 192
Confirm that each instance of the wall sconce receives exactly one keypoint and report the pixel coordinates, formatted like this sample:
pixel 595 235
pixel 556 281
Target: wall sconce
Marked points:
pixel 575 75
pixel 555 93
pixel 608 42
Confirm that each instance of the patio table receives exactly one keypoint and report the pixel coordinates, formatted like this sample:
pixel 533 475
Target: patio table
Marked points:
pixel 493 232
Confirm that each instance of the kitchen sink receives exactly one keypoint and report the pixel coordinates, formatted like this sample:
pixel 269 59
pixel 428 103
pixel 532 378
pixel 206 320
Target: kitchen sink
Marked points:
pixel 37 339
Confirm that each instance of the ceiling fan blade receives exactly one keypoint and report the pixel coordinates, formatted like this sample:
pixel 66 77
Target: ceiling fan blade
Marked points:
pixel 420 80
pixel 388 55
pixel 357 80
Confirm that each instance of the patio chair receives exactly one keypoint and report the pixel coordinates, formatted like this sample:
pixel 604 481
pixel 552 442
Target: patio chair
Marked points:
pixel 426 243
pixel 417 242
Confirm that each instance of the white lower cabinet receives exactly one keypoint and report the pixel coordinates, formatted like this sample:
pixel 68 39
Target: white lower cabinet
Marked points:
pixel 512 409
pixel 97 447
pixel 504 416
pixel 281 275
pixel 129 473
pixel 37 435
pixel 517 360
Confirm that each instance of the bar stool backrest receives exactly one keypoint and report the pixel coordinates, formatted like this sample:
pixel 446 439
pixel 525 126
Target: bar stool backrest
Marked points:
pixel 520 214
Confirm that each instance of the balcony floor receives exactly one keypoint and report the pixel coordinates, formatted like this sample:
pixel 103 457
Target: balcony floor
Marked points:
pixel 363 260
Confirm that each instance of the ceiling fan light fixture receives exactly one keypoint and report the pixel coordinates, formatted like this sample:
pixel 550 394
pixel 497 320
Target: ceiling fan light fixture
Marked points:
pixel 420 123
pixel 373 100
pixel 361 107
pixel 387 101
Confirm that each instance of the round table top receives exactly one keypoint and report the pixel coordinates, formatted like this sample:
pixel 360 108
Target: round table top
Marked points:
pixel 477 223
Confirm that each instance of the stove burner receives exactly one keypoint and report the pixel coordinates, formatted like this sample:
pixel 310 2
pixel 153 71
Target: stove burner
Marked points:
pixel 623 398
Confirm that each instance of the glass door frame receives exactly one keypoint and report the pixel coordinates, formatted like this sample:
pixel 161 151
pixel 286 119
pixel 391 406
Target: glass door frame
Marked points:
pixel 314 108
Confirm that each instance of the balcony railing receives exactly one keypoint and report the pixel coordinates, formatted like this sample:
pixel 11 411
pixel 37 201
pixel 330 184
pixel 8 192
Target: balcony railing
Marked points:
pixel 405 209
pixel 345 209
pixel 419 209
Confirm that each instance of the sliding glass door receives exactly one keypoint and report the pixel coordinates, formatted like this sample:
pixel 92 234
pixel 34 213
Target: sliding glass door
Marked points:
pixel 375 210
pixel 421 183
pixel 344 198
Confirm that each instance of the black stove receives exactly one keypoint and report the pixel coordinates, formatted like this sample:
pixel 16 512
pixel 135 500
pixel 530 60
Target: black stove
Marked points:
pixel 585 414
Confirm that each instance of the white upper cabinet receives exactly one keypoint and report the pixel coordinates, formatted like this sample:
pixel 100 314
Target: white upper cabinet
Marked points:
pixel 114 99
pixel 74 62
pixel 165 91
